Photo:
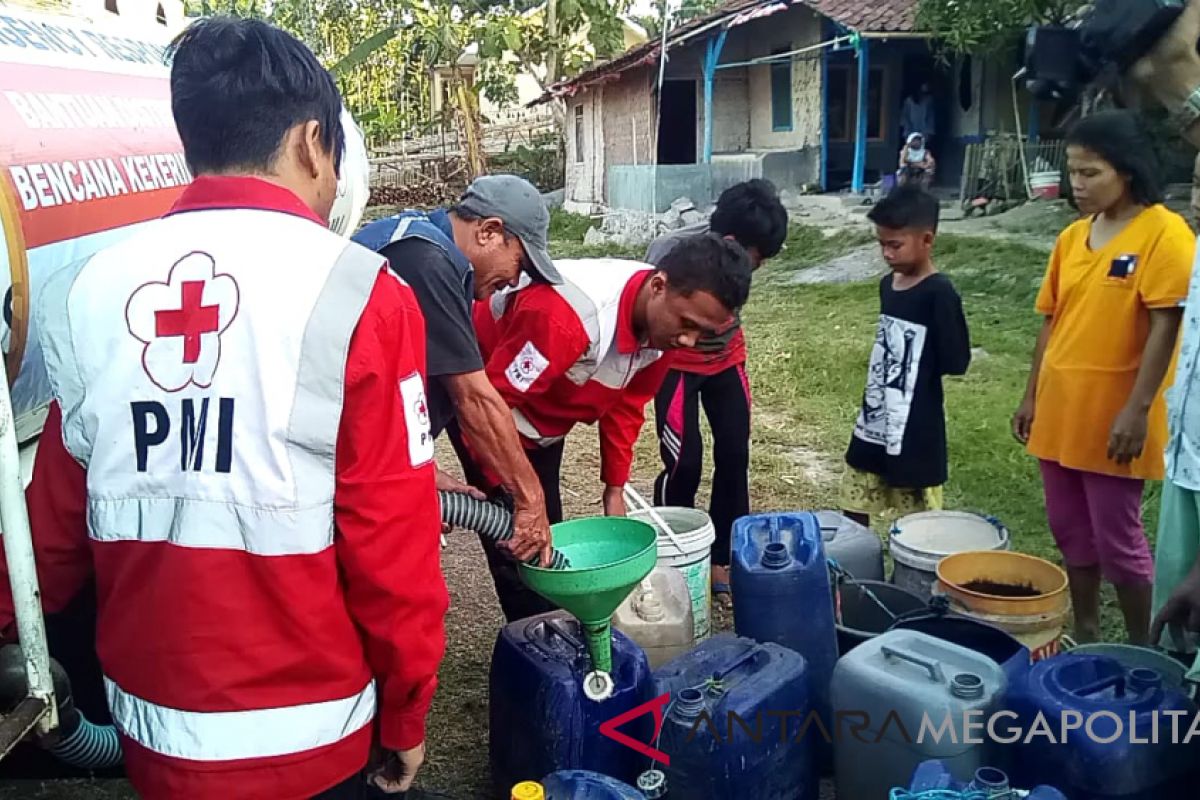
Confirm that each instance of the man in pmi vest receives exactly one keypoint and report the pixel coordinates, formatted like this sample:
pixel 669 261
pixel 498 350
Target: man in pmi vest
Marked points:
pixel 452 257
pixel 595 349
pixel 239 449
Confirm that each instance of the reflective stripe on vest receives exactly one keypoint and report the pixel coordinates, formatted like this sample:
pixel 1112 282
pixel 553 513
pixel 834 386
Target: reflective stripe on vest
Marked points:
pixel 199 480
pixel 526 429
pixel 592 288
pixel 233 735
pixel 200 366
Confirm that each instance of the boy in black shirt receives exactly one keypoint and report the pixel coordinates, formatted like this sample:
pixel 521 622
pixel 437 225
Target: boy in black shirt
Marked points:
pixel 897 455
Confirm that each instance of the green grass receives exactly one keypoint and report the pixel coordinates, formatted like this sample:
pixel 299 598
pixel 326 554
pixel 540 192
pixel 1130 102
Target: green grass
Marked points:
pixel 568 227
pixel 809 347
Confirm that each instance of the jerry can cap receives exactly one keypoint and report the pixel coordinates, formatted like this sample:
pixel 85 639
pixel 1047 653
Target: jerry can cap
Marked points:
pixel 653 784
pixel 528 790
pixel 647 606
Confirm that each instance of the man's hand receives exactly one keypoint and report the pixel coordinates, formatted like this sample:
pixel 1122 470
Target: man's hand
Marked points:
pixel 1182 608
pixel 614 501
pixel 1128 436
pixel 399 770
pixel 448 483
pixel 531 531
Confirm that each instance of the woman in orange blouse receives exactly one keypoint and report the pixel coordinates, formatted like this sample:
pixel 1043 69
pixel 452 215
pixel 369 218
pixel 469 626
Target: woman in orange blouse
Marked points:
pixel 1093 412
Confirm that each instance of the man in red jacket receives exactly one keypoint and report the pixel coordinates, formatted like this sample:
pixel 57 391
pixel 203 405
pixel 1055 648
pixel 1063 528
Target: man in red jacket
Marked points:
pixel 250 481
pixel 595 349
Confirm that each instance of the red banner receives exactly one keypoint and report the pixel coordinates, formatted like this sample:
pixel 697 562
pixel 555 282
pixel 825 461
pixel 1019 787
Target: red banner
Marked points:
pixel 88 142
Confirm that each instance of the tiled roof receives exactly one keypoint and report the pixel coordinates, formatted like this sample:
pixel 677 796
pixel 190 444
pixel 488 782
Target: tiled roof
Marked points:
pixel 864 16
pixel 869 16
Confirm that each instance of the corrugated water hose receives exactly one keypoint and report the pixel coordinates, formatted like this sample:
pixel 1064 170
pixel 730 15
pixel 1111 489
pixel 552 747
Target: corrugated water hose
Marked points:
pixel 489 519
pixel 89 746
pixel 86 745
pixel 77 741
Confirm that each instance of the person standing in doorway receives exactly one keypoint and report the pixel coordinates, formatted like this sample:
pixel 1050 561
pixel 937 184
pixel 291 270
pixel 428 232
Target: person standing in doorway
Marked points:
pixel 713 373
pixel 918 115
pixel 1094 413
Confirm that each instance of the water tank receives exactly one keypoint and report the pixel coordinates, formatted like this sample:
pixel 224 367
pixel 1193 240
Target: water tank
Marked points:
pixel 88 152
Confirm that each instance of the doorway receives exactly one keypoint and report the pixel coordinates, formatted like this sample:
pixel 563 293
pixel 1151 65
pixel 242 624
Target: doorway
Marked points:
pixel 922 68
pixel 677 123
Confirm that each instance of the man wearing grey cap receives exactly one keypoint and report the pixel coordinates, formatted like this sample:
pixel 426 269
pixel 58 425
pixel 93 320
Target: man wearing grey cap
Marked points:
pixel 451 258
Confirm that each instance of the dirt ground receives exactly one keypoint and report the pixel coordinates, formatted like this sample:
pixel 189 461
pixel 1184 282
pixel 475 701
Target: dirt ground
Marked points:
pixel 457 742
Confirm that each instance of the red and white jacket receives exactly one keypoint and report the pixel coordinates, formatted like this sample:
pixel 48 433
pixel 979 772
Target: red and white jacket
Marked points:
pixel 561 355
pixel 240 450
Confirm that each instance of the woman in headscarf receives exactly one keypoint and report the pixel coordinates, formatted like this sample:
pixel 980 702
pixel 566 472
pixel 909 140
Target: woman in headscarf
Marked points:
pixel 916 162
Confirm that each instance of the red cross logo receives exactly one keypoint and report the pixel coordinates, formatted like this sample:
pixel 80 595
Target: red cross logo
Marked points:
pixel 180 322
pixel 189 320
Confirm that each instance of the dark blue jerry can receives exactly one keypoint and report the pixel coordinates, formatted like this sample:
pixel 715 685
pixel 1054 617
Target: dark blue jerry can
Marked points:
pixel 539 719
pixel 737 724
pixel 1096 729
pixel 579 784
pixel 780 583
pixel 932 776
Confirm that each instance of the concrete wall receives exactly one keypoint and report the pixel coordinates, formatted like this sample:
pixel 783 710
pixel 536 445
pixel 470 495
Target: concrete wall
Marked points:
pixel 633 187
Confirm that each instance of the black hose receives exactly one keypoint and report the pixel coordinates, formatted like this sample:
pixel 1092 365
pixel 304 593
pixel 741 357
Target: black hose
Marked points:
pixel 488 519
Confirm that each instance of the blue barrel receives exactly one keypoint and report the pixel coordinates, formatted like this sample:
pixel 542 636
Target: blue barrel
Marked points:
pixel 932 775
pixel 540 720
pixel 781 590
pixel 738 725
pixel 1123 747
pixel 579 784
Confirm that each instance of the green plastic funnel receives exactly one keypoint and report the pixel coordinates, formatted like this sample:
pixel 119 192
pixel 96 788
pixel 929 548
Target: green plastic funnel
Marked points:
pixel 608 556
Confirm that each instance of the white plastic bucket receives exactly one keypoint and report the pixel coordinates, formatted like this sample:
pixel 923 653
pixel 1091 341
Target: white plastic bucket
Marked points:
pixel 918 542
pixel 688 551
pixel 1045 184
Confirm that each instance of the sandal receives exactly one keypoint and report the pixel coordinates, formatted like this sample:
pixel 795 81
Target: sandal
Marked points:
pixel 723 594
pixel 723 590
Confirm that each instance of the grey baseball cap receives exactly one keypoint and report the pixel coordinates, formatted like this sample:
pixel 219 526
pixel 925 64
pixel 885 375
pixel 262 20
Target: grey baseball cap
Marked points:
pixel 519 204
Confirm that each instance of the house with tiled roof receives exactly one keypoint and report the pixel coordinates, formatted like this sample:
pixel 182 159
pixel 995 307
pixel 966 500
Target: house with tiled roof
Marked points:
pixel 807 93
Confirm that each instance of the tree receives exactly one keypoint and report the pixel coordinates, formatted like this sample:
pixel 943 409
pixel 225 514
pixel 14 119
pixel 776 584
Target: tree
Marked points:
pixel 382 51
pixel 370 46
pixel 986 26
pixel 558 39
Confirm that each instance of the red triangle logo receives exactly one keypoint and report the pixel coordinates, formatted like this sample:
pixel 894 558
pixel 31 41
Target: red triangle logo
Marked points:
pixel 655 707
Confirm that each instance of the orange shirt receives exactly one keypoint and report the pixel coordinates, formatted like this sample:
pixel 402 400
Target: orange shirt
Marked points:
pixel 1100 326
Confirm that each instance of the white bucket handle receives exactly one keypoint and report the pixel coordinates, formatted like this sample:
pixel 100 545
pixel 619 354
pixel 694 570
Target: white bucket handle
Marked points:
pixel 632 494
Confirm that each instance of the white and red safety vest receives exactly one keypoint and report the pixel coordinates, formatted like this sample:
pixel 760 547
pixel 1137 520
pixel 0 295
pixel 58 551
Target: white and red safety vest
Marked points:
pixel 566 354
pixel 244 391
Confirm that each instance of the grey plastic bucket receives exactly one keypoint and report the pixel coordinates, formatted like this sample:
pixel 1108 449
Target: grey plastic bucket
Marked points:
pixel 918 542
